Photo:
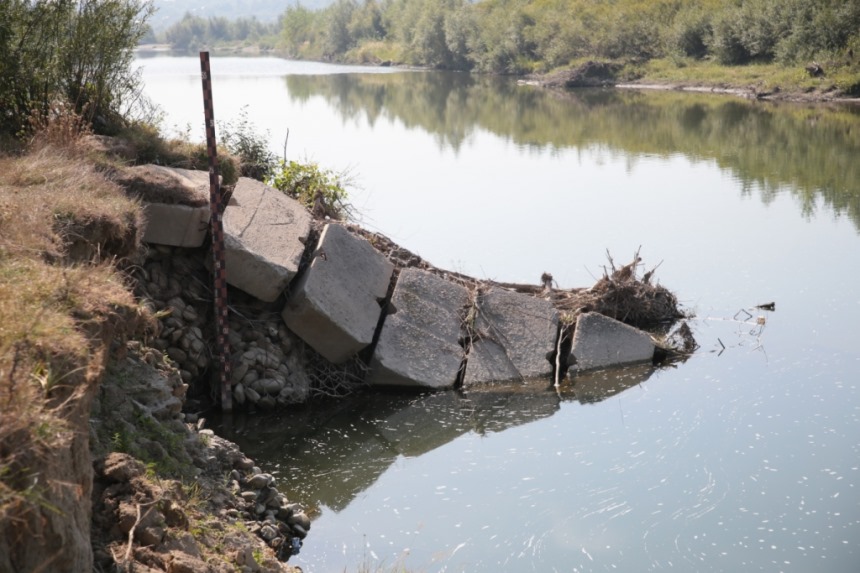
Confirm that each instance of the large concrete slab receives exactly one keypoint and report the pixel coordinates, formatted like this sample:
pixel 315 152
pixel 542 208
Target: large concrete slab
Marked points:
pixel 488 362
pixel 419 345
pixel 175 203
pixel 334 307
pixel 526 327
pixel 264 235
pixel 602 342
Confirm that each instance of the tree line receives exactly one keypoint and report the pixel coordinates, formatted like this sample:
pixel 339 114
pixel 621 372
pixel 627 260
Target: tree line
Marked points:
pixel 521 36
pixel 192 32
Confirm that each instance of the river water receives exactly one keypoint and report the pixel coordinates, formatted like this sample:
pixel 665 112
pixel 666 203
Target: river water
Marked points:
pixel 744 458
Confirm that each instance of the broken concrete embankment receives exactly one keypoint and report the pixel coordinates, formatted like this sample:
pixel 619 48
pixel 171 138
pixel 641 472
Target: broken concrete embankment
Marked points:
pixel 321 307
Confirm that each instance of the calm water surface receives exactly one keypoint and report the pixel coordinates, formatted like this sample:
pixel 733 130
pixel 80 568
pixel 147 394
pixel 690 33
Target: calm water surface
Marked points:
pixel 744 458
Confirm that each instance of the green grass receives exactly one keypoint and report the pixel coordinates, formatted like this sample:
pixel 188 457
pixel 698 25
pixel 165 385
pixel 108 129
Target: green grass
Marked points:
pixel 760 77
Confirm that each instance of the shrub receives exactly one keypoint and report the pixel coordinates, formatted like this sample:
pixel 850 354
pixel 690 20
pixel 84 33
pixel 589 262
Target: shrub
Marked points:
pixel 78 53
pixel 689 33
pixel 726 43
pixel 252 148
pixel 320 190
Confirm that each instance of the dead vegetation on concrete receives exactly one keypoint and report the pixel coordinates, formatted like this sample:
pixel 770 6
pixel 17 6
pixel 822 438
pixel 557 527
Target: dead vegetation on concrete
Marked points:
pixel 626 293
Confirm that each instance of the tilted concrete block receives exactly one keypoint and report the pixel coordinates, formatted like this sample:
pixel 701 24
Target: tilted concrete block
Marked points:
pixel 601 342
pixel 419 344
pixel 264 236
pixel 334 306
pixel 175 203
pixel 524 326
pixel 488 362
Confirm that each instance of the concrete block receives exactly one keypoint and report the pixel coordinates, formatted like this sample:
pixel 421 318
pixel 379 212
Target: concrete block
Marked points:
pixel 487 362
pixel 601 342
pixel 264 236
pixel 175 203
pixel 175 225
pixel 419 345
pixel 334 307
pixel 526 327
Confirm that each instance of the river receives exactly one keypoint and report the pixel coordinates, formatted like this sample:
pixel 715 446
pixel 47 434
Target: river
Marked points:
pixel 746 457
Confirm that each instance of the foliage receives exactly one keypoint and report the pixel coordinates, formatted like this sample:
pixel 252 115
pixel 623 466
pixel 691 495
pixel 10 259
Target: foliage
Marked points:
pixel 192 32
pixel 518 36
pixel 78 52
pixel 241 139
pixel 320 190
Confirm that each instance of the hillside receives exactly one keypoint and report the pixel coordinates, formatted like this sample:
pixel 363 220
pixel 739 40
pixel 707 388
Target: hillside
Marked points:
pixel 168 12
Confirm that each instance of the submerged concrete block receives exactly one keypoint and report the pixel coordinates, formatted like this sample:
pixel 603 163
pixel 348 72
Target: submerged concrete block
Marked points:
pixel 419 344
pixel 175 203
pixel 334 307
pixel 601 342
pixel 524 326
pixel 596 385
pixel 264 235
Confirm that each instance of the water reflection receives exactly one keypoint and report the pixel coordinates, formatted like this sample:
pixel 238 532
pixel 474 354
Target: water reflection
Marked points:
pixel 811 151
pixel 343 447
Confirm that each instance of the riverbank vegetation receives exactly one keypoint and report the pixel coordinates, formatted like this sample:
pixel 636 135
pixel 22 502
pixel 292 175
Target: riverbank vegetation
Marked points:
pixel 524 36
pixel 72 54
pixel 791 44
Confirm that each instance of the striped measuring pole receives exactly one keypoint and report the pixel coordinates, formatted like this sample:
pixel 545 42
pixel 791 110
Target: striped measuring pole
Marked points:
pixel 216 230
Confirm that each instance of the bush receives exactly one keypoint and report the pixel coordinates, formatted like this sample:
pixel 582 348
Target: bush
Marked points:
pixel 78 53
pixel 689 33
pixel 252 148
pixel 725 42
pixel 320 190
pixel 150 147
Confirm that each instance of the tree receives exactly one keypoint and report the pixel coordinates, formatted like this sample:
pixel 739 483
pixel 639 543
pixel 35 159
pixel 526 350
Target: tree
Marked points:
pixel 337 37
pixel 76 52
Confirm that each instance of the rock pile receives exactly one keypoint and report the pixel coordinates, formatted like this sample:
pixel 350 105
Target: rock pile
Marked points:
pixel 268 513
pixel 148 524
pixel 267 370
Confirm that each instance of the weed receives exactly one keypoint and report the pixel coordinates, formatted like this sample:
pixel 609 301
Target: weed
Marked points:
pixel 241 139
pixel 321 190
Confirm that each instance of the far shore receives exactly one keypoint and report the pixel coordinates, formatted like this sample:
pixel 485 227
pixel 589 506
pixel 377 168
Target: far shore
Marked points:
pixel 744 92
pixel 777 94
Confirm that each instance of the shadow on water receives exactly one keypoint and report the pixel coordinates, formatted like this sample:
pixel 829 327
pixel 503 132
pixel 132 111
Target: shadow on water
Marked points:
pixel 809 150
pixel 342 447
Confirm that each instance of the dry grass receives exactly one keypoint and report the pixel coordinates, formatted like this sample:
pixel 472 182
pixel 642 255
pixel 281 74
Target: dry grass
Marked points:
pixel 58 313
pixel 51 200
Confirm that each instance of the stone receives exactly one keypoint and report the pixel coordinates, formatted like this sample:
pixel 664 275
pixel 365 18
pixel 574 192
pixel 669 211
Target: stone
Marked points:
pixel 601 342
pixel 264 237
pixel 268 532
pixel 301 519
pixel 334 306
pixel 260 481
pixel 419 345
pixel 175 203
pixel 121 467
pixel 487 362
pixel 524 326
pixel 184 563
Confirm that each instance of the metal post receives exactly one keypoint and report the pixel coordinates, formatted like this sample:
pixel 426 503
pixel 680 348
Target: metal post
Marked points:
pixel 216 223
